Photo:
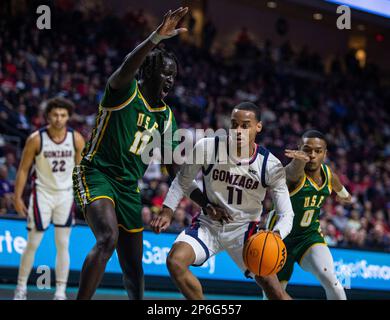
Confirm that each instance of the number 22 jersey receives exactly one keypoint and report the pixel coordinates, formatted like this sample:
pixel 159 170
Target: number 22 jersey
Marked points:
pixel 54 163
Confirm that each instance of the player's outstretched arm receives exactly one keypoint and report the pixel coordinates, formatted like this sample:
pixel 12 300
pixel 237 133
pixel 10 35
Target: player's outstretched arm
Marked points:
pixel 30 150
pixel 124 75
pixel 343 196
pixel 182 185
pixel 276 180
pixel 183 182
pixel 295 170
pixel 79 146
pixel 214 212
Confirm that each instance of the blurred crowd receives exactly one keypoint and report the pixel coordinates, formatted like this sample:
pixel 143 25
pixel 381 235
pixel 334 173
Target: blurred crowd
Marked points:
pixel 291 87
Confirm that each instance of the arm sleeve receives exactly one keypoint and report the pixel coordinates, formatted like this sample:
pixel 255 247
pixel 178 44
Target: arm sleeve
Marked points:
pixel 276 180
pixel 184 182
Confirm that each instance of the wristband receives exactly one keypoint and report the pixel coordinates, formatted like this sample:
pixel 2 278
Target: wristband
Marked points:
pixel 156 38
pixel 343 193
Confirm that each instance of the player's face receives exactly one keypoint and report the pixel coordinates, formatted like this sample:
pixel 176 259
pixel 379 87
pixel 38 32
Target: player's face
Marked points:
pixel 58 117
pixel 165 78
pixel 315 148
pixel 244 127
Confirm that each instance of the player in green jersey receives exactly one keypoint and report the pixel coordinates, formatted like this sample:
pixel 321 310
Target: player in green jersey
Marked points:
pixel 310 182
pixel 105 184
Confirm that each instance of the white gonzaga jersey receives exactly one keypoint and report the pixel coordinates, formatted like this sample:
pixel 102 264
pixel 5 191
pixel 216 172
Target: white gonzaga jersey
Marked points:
pixel 55 162
pixel 239 187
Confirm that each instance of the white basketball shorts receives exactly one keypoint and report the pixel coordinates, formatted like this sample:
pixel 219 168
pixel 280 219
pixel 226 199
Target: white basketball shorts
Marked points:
pixel 50 206
pixel 207 239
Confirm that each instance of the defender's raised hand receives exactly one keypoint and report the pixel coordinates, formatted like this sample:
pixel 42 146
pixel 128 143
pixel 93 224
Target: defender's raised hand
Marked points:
pixel 167 29
pixel 297 154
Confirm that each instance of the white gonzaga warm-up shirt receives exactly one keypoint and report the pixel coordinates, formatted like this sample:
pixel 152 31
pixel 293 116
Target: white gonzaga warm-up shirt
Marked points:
pixel 237 186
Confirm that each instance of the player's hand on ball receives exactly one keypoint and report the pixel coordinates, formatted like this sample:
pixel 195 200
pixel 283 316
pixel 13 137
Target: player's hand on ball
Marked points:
pixel 277 233
pixel 20 207
pixel 162 221
pixel 218 214
pixel 167 28
pixel 297 154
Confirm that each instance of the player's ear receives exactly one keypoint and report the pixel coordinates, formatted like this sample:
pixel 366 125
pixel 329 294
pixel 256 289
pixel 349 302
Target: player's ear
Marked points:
pixel 259 127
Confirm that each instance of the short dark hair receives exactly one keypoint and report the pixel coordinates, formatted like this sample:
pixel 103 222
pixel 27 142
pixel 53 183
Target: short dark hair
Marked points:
pixel 314 134
pixel 61 103
pixel 249 106
pixel 154 61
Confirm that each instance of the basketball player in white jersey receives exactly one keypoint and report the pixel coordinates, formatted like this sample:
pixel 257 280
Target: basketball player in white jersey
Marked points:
pixel 53 150
pixel 233 191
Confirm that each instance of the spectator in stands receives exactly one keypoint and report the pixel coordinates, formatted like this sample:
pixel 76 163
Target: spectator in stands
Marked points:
pixel 340 220
pixel 377 238
pixel 331 235
pixel 22 121
pixel 6 191
pixel 350 238
pixel 158 199
pixel 354 221
pixel 10 162
pixel 147 216
pixel 180 220
pixel 355 116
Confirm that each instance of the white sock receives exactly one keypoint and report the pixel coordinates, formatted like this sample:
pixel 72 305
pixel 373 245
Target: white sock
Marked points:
pixel 26 262
pixel 60 288
pixel 62 258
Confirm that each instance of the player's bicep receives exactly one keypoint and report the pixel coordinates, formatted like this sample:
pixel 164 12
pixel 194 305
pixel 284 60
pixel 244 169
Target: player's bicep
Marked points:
pixel 275 176
pixel 337 186
pixel 193 163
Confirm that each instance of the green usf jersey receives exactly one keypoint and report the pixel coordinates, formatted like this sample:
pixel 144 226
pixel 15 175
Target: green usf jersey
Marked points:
pixel 125 127
pixel 307 200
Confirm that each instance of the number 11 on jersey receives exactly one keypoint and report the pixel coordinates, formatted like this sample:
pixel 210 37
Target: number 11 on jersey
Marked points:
pixel 231 195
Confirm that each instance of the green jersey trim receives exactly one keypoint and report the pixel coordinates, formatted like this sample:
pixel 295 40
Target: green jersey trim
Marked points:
pixel 299 187
pixel 308 249
pixel 151 109
pixel 315 185
pixel 124 104
pixel 169 120
pixel 102 121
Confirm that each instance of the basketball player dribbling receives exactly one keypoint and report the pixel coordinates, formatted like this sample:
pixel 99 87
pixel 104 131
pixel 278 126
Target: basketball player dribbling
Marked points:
pixel 238 186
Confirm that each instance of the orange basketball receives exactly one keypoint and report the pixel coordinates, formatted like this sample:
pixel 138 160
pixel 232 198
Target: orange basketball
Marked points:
pixel 264 253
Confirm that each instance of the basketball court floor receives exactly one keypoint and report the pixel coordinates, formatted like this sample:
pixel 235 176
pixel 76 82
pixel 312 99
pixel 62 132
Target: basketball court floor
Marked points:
pixel 7 291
